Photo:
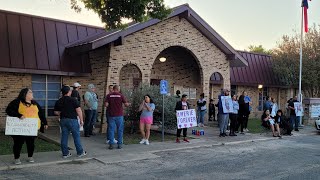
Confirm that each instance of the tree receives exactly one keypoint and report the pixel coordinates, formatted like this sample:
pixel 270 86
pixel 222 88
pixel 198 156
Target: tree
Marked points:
pixel 112 12
pixel 259 49
pixel 286 61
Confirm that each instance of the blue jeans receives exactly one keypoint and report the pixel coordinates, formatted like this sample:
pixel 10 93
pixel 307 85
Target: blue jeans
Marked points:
pixel 91 117
pixel 201 116
pixel 223 122
pixel 108 126
pixel 67 126
pixel 116 122
pixel 294 120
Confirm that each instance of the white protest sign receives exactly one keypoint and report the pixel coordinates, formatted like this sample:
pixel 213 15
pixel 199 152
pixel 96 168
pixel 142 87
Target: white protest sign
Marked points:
pixel 227 104
pixel 23 127
pixel 186 118
pixel 298 108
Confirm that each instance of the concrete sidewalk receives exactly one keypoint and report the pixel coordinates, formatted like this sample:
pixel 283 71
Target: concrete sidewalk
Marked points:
pixel 97 148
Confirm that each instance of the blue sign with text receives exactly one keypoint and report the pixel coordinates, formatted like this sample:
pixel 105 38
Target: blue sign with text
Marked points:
pixel 163 87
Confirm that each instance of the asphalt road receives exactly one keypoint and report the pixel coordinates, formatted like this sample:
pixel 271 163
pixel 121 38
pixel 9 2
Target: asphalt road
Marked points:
pixel 295 157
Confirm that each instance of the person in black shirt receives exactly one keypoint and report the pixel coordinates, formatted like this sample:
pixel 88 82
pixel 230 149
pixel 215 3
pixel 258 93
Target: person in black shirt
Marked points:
pixel 212 110
pixel 69 111
pixel 293 118
pixel 75 91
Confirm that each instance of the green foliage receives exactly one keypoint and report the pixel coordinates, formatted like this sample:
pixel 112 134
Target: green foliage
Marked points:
pixel 112 12
pixel 136 96
pixel 286 61
pixel 259 49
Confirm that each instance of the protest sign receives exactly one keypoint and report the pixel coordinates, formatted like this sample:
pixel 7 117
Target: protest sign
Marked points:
pixel 227 104
pixel 186 118
pixel 23 127
pixel 298 108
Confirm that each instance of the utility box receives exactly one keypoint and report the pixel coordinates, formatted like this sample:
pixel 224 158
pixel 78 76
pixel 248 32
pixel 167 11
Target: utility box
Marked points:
pixel 311 110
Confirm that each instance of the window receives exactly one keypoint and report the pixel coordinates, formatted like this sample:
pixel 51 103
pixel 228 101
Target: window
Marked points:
pixel 233 89
pixel 263 93
pixel 46 91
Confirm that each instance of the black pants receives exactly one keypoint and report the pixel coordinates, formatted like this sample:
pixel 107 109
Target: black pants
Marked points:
pixel 212 113
pixel 233 122
pixel 184 132
pixel 18 141
pixel 240 122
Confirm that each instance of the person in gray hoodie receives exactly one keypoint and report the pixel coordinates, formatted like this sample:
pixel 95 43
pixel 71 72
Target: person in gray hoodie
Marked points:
pixel 90 110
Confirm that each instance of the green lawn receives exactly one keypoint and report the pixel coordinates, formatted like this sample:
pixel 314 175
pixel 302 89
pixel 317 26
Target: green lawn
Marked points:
pixel 254 125
pixel 154 137
pixel 6 144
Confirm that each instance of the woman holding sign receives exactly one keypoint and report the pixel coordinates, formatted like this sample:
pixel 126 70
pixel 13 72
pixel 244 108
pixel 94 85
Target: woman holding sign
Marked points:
pixel 146 118
pixel 182 105
pixel 25 107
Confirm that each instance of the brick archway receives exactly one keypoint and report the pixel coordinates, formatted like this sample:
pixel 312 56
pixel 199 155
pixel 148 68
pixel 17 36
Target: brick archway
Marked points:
pixel 130 76
pixel 181 68
pixel 216 85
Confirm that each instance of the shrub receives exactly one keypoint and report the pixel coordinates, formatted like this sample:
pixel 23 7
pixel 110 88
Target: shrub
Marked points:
pixel 136 96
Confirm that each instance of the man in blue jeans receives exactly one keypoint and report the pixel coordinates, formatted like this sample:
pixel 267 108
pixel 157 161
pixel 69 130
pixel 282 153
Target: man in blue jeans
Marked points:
pixel 293 118
pixel 90 110
pixel 114 103
pixel 69 109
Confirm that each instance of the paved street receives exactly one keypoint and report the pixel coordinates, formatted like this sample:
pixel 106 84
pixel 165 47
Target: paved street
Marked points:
pixel 296 157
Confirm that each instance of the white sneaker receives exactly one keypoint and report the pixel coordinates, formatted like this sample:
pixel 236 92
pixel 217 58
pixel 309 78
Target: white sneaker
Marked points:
pixel 146 142
pixel 143 141
pixel 30 160
pixel 84 153
pixel 17 161
pixel 227 131
pixel 67 156
pixel 114 141
pixel 247 130
pixel 107 141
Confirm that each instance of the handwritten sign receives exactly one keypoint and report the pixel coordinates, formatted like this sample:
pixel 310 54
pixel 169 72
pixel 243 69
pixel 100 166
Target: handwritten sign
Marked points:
pixel 186 118
pixel 23 127
pixel 298 108
pixel 227 104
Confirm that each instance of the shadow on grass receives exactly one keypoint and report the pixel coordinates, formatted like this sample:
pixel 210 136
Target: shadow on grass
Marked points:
pixel 6 144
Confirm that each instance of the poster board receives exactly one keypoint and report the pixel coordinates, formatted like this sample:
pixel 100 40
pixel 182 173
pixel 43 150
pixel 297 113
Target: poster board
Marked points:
pixel 186 118
pixel 298 108
pixel 227 104
pixel 23 127
pixel 315 111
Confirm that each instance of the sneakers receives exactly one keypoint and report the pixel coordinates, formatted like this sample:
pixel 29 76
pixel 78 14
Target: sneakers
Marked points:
pixel 186 140
pixel 110 147
pixel 30 160
pixel 246 130
pixel 146 142
pixel 177 140
pixel 17 161
pixel 84 153
pixel 143 141
pixel 119 146
pixel 67 156
pixel 115 141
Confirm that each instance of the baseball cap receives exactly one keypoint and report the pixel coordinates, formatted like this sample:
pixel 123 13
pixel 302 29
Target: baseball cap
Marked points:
pixel 76 84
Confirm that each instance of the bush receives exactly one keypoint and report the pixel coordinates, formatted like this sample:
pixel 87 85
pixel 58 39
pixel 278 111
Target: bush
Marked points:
pixel 136 96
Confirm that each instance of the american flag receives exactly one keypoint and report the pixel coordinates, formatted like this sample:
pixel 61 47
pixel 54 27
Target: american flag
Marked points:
pixel 305 14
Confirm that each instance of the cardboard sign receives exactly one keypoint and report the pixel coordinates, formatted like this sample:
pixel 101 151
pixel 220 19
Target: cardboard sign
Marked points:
pixel 23 127
pixel 227 104
pixel 186 118
pixel 298 108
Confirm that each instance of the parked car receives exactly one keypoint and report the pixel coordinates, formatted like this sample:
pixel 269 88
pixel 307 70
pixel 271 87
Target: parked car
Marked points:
pixel 317 124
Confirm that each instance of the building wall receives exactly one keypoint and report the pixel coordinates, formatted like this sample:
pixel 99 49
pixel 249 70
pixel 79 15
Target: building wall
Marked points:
pixel 142 49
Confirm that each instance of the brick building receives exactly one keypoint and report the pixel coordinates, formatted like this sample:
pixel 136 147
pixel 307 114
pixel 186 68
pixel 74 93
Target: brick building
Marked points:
pixel 43 54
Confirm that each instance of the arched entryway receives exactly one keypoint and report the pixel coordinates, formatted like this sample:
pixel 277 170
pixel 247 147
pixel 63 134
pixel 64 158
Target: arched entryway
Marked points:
pixel 216 85
pixel 130 76
pixel 182 70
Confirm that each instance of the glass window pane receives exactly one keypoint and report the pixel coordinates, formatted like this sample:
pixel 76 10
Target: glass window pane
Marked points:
pixel 41 103
pixel 54 86
pixel 54 95
pixel 39 94
pixel 51 103
pixel 39 78
pixel 38 86
pixel 54 79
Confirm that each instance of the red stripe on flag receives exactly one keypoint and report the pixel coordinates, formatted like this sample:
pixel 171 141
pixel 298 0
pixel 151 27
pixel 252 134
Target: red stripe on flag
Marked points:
pixel 305 10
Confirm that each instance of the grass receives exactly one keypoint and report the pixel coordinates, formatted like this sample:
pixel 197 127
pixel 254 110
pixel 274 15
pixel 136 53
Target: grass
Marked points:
pixel 254 125
pixel 6 144
pixel 155 136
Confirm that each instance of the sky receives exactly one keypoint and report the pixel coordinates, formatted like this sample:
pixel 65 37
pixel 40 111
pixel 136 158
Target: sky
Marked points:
pixel 240 22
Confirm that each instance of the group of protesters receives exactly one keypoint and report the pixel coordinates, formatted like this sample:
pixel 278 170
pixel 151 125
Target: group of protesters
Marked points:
pixel 71 119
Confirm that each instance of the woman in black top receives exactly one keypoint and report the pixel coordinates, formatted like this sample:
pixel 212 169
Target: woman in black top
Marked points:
pixel 283 122
pixel 182 105
pixel 268 122
pixel 25 107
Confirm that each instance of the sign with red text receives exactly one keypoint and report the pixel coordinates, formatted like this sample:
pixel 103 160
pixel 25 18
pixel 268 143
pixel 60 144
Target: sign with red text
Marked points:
pixel 22 127
pixel 186 118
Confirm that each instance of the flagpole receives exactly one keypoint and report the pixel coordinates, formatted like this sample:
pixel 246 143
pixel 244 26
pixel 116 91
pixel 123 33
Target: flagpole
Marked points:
pixel 300 67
